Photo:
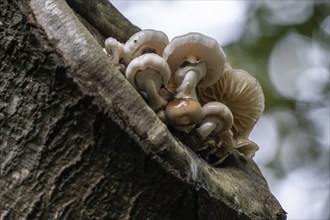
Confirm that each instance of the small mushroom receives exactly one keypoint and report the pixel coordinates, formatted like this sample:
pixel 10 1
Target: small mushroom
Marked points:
pixel 114 49
pixel 246 147
pixel 243 95
pixel 216 153
pixel 184 114
pixel 217 118
pixel 145 41
pixel 195 60
pixel 215 148
pixel 148 73
pixel 195 51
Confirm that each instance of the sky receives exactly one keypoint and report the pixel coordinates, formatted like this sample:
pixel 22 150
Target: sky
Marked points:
pixel 224 21
pixel 178 18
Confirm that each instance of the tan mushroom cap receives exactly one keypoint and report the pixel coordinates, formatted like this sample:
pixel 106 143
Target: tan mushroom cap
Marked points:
pixel 145 41
pixel 246 147
pixel 243 95
pixel 202 47
pixel 183 112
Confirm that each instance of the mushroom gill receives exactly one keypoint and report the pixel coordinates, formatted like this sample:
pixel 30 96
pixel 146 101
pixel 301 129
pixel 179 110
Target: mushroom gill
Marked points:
pixel 242 94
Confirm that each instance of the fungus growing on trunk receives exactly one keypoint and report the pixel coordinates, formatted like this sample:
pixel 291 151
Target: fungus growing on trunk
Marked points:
pixel 216 118
pixel 114 49
pixel 148 73
pixel 145 41
pixel 194 60
pixel 184 114
pixel 243 95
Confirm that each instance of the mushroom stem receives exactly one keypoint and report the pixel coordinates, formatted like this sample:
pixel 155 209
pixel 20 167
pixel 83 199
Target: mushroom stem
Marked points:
pixel 187 79
pixel 150 80
pixel 206 128
pixel 115 57
pixel 187 88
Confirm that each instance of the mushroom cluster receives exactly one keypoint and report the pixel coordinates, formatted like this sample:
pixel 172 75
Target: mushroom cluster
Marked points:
pixel 193 89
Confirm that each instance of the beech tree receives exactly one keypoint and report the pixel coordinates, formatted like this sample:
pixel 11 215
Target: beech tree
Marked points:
pixel 78 142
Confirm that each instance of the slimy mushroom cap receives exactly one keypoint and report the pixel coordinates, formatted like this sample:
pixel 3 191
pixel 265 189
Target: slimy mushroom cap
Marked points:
pixel 145 41
pixel 194 47
pixel 183 112
pixel 148 60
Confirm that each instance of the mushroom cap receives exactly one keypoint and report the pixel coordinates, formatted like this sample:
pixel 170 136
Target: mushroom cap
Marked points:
pixel 114 49
pixel 200 46
pixel 112 43
pixel 243 95
pixel 246 147
pixel 148 60
pixel 183 112
pixel 144 41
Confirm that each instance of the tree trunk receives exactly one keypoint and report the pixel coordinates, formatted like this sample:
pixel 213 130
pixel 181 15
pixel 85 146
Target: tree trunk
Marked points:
pixel 78 142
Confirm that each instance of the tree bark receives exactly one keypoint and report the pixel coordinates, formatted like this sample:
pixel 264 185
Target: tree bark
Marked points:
pixel 78 142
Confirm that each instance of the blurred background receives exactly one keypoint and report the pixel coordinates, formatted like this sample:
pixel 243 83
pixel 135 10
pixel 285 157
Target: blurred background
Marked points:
pixel 285 45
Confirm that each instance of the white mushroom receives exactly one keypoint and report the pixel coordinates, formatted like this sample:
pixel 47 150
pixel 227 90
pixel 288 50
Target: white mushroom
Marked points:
pixel 186 79
pixel 145 41
pixel 148 73
pixel 114 49
pixel 195 60
pixel 243 95
pixel 217 118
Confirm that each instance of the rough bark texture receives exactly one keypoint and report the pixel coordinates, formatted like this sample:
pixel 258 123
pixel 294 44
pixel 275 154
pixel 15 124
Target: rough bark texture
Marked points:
pixel 78 142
